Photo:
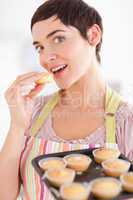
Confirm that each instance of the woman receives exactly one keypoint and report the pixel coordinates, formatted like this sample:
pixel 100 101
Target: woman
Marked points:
pixel 85 112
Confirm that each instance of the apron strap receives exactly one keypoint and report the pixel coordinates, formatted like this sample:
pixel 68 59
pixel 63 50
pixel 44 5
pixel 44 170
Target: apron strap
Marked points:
pixel 43 114
pixel 113 101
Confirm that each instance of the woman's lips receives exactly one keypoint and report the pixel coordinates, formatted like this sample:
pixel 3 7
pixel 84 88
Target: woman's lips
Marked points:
pixel 61 72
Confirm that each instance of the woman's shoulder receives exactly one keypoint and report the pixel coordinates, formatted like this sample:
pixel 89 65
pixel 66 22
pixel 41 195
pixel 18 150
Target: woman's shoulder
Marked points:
pixel 125 111
pixel 124 126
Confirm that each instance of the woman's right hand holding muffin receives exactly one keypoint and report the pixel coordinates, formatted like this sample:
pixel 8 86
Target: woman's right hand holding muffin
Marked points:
pixel 21 106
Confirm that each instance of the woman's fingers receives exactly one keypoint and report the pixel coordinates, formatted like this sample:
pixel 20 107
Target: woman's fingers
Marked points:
pixel 26 80
pixel 25 85
pixel 31 79
pixel 26 75
pixel 21 106
pixel 31 85
pixel 12 96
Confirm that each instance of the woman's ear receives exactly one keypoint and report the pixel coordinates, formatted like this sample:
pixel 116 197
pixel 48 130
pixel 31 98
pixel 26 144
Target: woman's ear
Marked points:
pixel 94 35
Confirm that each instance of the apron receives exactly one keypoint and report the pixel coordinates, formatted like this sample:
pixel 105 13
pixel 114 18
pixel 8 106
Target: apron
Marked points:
pixel 33 188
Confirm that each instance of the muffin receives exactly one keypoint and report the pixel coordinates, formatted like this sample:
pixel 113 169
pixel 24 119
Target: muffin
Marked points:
pixel 78 162
pixel 115 167
pixel 127 181
pixel 102 154
pixel 75 191
pixel 57 177
pixel 46 77
pixel 52 162
pixel 105 188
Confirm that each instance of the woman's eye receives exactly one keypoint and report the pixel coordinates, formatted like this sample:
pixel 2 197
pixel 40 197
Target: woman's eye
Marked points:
pixel 59 39
pixel 38 48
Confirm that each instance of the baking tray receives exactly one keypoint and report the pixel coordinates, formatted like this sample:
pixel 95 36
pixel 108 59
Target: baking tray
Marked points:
pixel 94 171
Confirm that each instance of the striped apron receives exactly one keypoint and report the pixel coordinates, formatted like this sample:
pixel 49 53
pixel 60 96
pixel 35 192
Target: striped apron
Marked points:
pixel 33 188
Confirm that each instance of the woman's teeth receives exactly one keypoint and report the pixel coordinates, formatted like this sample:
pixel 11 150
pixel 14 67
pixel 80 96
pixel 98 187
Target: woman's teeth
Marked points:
pixel 59 68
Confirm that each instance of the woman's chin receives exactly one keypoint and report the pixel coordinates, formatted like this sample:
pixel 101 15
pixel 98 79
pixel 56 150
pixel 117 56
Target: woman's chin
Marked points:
pixel 64 86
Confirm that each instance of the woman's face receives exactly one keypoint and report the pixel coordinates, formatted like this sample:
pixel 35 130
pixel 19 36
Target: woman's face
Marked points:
pixel 61 46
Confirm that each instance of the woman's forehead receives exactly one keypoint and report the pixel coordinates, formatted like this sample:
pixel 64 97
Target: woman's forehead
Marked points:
pixel 44 27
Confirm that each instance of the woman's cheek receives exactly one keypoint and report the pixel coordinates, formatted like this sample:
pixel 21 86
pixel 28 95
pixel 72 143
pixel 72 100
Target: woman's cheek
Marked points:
pixel 42 61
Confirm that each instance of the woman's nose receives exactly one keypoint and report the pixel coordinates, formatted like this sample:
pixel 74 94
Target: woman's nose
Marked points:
pixel 47 59
pixel 51 58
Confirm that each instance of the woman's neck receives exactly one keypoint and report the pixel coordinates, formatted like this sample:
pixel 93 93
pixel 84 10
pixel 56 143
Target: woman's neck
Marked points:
pixel 87 93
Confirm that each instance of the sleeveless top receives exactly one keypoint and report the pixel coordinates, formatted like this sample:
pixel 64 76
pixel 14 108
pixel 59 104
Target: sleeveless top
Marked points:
pixel 34 146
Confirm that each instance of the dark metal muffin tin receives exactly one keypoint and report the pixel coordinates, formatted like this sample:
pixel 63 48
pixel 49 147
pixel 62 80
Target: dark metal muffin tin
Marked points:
pixel 94 171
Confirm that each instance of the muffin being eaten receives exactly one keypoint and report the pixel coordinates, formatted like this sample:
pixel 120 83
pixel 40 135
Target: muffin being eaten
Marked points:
pixel 46 77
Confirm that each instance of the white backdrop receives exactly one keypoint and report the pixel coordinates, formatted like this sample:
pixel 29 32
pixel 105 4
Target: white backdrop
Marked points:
pixel 17 55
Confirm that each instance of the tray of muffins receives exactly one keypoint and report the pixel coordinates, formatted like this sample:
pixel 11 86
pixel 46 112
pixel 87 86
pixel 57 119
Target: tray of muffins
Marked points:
pixel 88 174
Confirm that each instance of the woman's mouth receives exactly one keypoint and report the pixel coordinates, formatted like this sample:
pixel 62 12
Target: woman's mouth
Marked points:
pixel 59 71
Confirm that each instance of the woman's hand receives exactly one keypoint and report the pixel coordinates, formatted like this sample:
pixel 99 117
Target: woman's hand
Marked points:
pixel 21 106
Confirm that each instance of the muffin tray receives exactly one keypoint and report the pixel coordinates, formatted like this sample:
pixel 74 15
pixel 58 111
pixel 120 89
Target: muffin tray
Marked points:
pixel 94 171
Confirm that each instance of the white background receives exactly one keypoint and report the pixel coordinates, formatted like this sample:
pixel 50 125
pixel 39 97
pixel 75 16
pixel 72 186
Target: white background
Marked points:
pixel 17 55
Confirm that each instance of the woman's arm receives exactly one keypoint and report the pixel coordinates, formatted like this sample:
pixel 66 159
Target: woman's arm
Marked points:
pixel 9 164
pixel 21 109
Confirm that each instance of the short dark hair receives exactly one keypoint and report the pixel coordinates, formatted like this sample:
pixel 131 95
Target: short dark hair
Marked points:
pixel 75 13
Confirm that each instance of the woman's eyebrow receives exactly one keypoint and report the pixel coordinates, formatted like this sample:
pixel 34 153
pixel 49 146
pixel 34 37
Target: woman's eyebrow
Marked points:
pixel 53 32
pixel 49 35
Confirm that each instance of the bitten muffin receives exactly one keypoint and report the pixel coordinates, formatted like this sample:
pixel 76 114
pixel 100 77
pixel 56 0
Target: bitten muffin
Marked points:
pixel 46 77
